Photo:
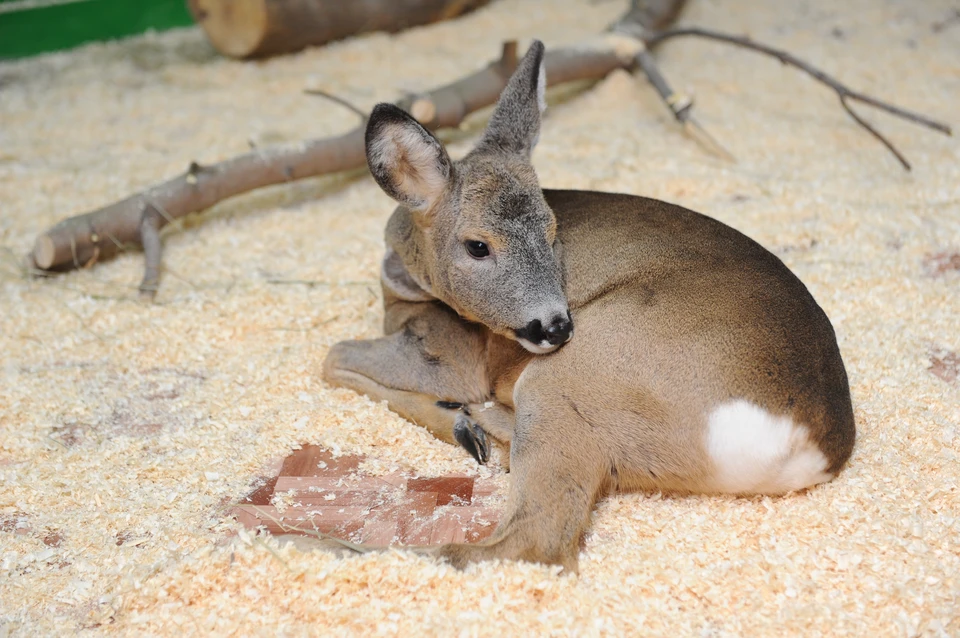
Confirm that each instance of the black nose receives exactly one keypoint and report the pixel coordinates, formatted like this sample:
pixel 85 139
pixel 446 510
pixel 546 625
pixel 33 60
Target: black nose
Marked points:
pixel 559 330
pixel 556 333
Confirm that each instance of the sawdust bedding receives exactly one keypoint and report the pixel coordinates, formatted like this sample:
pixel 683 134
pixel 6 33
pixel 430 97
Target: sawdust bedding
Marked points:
pixel 129 429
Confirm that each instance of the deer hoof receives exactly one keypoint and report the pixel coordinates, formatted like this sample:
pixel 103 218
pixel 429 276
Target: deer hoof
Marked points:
pixel 472 437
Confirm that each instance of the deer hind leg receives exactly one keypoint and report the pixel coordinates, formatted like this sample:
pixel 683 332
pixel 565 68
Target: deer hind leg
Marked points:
pixel 557 473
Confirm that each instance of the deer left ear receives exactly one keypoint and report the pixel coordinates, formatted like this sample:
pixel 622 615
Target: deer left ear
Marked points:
pixel 515 124
pixel 408 162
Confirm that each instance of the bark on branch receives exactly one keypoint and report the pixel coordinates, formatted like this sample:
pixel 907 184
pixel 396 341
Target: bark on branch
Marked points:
pixel 80 241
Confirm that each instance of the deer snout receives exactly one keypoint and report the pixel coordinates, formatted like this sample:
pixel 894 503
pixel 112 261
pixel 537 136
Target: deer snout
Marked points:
pixel 540 339
pixel 559 331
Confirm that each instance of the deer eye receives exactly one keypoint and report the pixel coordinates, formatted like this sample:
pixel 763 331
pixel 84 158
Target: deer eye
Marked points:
pixel 477 249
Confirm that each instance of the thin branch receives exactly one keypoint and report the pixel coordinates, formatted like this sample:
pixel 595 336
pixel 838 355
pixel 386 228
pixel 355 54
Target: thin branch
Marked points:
pixel 873 131
pixel 338 100
pixel 791 60
pixel 843 92
pixel 680 105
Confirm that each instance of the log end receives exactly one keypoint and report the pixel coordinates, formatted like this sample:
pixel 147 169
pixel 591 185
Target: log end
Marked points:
pixel 44 252
pixel 423 110
pixel 236 28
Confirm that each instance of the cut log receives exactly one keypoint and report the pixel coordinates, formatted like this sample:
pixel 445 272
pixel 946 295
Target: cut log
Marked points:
pixel 260 28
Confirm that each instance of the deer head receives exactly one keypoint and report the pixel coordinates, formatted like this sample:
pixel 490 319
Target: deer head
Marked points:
pixel 477 233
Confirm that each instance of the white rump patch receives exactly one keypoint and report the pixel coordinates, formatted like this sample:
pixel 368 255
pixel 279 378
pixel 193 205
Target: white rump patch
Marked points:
pixel 755 452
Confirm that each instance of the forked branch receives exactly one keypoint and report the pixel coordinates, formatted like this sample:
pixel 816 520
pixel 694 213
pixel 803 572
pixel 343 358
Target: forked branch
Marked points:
pixel 844 93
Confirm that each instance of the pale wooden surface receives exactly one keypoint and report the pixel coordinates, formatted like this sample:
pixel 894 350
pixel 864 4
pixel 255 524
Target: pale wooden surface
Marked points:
pixel 126 431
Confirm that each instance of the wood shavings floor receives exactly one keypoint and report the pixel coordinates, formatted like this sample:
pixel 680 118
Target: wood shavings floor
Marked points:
pixel 127 431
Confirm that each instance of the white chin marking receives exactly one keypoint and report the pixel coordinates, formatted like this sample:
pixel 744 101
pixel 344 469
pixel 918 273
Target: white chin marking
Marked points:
pixel 541 348
pixel 755 452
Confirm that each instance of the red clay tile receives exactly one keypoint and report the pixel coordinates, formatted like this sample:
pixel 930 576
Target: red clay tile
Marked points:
pixel 312 485
pixel 449 489
pixel 379 532
pixel 945 365
pixel 313 460
pixel 334 497
pixel 262 494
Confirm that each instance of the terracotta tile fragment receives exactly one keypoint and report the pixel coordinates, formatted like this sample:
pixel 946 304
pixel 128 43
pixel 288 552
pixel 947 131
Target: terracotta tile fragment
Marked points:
pixel 313 460
pixel 945 365
pixel 939 264
pixel 333 496
pixel 262 494
pixel 449 489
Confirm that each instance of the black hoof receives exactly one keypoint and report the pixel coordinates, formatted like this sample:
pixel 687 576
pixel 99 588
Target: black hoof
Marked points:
pixel 472 437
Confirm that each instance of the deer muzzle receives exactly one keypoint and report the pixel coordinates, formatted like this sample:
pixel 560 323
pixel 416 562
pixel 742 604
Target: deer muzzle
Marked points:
pixel 541 338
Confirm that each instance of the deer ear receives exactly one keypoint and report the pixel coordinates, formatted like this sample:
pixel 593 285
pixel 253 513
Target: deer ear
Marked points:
pixel 408 162
pixel 515 124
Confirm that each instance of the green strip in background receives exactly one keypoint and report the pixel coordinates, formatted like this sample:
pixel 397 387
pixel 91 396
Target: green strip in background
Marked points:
pixel 29 27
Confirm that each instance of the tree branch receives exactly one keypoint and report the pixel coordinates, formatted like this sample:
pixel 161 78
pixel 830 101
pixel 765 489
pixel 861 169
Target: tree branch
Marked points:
pixel 680 105
pixel 84 239
pixel 102 233
pixel 842 91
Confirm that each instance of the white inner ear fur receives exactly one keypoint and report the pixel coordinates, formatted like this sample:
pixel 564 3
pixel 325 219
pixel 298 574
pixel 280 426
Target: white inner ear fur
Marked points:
pixel 755 452
pixel 542 88
pixel 541 100
pixel 413 162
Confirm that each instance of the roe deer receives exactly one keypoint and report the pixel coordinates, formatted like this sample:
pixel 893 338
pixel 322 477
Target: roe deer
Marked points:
pixel 699 362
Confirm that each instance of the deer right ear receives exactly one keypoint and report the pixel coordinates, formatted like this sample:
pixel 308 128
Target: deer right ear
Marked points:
pixel 515 123
pixel 408 162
